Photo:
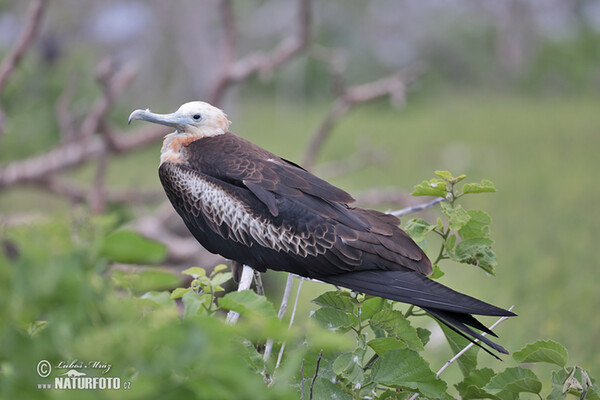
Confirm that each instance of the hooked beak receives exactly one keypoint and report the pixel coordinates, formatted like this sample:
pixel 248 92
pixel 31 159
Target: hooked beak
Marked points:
pixel 173 120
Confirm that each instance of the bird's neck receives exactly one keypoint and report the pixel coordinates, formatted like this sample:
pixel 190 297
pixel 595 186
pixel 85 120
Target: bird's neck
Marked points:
pixel 174 144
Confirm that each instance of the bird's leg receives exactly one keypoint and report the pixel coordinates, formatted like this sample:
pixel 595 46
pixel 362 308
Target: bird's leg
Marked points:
pixel 236 270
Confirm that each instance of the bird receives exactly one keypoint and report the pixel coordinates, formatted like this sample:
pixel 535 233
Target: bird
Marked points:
pixel 261 210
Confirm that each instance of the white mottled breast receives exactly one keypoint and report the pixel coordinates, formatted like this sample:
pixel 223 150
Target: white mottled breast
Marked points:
pixel 220 207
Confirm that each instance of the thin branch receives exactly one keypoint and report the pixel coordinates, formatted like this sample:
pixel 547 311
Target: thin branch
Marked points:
pixel 14 56
pixel 419 207
pixel 312 383
pixel 281 350
pixel 11 61
pixel 245 282
pixel 97 196
pixel 70 155
pixel 280 314
pixel 393 85
pixel 302 380
pixel 463 351
pixel 259 62
pixel 260 289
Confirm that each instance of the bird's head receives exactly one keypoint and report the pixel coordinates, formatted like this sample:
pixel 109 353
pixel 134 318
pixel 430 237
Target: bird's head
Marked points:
pixel 192 121
pixel 196 118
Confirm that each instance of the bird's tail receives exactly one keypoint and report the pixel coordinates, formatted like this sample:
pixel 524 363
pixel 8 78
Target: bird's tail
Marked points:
pixel 452 308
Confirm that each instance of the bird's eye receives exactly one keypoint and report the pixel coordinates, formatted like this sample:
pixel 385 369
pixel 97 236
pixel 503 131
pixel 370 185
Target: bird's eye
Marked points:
pixel 197 117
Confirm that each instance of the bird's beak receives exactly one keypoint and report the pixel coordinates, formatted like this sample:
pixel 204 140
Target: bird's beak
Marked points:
pixel 173 120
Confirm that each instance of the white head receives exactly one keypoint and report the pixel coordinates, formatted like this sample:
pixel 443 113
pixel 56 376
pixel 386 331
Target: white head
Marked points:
pixel 192 121
pixel 195 118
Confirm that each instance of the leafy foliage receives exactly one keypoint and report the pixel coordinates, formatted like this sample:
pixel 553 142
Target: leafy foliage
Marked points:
pixel 171 341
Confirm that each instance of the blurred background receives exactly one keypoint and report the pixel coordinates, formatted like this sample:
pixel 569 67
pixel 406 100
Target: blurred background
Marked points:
pixel 374 96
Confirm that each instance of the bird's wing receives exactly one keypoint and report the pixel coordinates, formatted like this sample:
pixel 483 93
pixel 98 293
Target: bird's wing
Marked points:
pixel 233 159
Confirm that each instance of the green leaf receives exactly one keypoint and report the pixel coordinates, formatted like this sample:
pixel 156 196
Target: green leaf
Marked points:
pixel 335 299
pixel 220 279
pixel 178 292
pixel 252 356
pixel 385 344
pixel 515 380
pixel 483 187
pixel 130 247
pixel 477 225
pixel 457 216
pixel 218 269
pixel 418 228
pixel 145 280
pixel 247 302
pixel 407 369
pixel 424 335
pixel 468 361
pixel 476 251
pixel 394 323
pixel 547 351
pixel 334 319
pixel 370 307
pixel 433 187
pixel 450 243
pixel 159 298
pixel 195 272
pixel 472 386
pixel 324 389
pixel 445 175
pixel 347 365
pixel 194 303
pixel 437 273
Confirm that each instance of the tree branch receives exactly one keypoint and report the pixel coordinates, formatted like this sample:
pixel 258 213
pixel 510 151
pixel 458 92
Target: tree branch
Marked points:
pixel 14 56
pixel 11 61
pixel 245 282
pixel 393 85
pixel 259 62
pixel 419 207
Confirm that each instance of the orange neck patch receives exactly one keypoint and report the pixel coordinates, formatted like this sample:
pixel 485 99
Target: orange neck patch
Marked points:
pixel 173 145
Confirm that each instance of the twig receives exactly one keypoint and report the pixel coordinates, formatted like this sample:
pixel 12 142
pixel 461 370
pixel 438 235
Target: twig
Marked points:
pixel 281 350
pixel 302 380
pixel 463 351
pixel 97 199
pixel 245 282
pixel 10 62
pixel 312 383
pixel 419 207
pixel 13 58
pixel 280 314
pixel 70 155
pixel 260 290
pixel 393 85
pixel 257 63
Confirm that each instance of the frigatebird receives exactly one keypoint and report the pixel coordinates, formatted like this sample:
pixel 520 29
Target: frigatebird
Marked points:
pixel 251 206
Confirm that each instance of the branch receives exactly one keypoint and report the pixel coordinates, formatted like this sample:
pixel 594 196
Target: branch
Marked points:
pixel 393 85
pixel 419 207
pixel 11 61
pixel 312 383
pixel 463 351
pixel 14 56
pixel 259 62
pixel 280 355
pixel 280 314
pixel 245 282
pixel 71 155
